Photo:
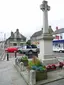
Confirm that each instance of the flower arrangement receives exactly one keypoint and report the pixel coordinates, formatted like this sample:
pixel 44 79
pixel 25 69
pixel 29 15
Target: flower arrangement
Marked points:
pixel 61 65
pixel 24 59
pixel 51 67
pixel 35 64
pixel 41 72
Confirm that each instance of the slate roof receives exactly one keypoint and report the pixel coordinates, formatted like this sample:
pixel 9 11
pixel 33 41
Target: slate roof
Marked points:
pixel 16 36
pixel 58 31
pixel 19 36
pixel 37 34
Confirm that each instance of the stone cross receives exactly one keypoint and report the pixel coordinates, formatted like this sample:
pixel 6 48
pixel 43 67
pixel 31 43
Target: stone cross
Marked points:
pixel 45 8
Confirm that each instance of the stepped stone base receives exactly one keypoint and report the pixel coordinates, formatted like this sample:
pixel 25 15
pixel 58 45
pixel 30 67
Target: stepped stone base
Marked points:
pixel 49 61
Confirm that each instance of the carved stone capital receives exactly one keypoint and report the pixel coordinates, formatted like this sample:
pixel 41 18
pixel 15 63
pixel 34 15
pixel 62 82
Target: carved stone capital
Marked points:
pixel 47 36
pixel 44 6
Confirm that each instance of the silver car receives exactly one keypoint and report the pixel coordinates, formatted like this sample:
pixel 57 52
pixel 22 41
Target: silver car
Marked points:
pixel 29 49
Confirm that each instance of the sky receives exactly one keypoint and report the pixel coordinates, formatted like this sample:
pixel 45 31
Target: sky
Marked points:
pixel 27 16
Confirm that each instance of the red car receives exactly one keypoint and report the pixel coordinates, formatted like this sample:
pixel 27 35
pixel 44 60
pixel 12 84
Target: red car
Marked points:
pixel 11 49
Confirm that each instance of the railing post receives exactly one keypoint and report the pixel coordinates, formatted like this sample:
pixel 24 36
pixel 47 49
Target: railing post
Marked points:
pixel 7 56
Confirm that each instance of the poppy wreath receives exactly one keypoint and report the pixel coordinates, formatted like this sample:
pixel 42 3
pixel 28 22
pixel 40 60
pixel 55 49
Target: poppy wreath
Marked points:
pixel 53 67
pixel 48 67
pixel 61 64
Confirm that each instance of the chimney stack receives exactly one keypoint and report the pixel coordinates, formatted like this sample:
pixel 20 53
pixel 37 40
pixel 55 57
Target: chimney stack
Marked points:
pixel 57 28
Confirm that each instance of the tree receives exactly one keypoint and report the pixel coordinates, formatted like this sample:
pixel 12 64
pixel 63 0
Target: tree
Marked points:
pixel 28 42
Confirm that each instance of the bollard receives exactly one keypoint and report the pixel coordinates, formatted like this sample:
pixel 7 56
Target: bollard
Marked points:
pixel 7 57
pixel 32 77
pixel 22 66
pixel 16 61
pixel 28 71
pixel 15 54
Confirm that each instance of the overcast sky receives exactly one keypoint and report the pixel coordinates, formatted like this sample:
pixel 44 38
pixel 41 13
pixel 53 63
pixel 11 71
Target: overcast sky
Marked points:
pixel 27 16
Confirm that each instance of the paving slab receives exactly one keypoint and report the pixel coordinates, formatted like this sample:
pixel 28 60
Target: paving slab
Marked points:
pixel 52 76
pixel 9 75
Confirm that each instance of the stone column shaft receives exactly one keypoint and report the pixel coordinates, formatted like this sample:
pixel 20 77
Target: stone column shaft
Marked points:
pixel 45 8
pixel 45 21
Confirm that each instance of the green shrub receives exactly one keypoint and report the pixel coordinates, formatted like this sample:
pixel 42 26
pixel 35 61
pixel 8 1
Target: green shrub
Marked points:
pixel 24 57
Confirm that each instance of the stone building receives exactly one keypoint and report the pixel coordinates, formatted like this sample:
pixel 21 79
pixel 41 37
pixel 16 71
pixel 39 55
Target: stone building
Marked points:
pixel 16 39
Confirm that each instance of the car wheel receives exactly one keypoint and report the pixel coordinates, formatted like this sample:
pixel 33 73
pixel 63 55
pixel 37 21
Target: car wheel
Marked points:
pixel 36 54
pixel 30 52
pixel 60 51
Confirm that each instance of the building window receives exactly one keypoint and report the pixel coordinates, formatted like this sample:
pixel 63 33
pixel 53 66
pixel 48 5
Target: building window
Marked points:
pixel 63 45
pixel 55 44
pixel 59 45
pixel 18 39
pixel 57 37
pixel 15 44
pixel 60 36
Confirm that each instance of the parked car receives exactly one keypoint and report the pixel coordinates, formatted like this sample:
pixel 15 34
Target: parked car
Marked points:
pixel 29 49
pixel 11 49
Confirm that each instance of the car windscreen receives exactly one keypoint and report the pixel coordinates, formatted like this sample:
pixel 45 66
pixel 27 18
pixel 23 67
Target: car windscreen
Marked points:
pixel 28 46
pixel 33 46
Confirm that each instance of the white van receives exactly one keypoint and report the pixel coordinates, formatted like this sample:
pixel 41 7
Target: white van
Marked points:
pixel 58 49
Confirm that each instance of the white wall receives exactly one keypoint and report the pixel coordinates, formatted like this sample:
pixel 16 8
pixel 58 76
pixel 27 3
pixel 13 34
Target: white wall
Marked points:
pixel 61 34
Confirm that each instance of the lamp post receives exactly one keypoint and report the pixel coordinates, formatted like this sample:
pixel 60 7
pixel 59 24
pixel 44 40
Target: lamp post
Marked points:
pixel 1 34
